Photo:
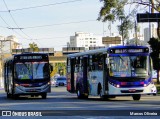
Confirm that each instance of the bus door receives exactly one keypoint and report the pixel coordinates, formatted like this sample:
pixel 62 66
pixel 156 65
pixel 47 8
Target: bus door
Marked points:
pixel 105 72
pixel 85 74
pixel 96 75
pixel 10 82
pixel 72 61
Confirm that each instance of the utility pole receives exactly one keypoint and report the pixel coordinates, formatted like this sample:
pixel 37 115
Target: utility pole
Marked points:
pixel 1 64
pixel 2 57
pixel 122 17
pixel 136 36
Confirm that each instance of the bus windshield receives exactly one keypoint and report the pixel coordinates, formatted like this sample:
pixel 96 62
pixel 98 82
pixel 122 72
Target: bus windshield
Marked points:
pixel 31 70
pixel 129 66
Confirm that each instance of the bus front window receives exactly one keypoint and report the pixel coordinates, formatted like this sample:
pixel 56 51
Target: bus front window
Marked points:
pixel 128 66
pixel 120 66
pixel 23 70
pixel 140 66
pixel 31 70
pixel 40 70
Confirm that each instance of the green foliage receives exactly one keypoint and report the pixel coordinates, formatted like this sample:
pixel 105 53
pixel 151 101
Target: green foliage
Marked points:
pixel 155 45
pixel 34 46
pixel 113 10
pixel 125 27
pixel 158 89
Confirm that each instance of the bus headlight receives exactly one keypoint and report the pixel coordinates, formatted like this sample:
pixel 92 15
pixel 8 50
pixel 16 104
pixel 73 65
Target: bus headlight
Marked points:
pixel 49 83
pixel 16 84
pixel 117 86
pixel 145 85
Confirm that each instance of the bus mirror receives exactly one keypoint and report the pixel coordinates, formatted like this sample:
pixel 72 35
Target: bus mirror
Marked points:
pixel 107 61
pixel 51 68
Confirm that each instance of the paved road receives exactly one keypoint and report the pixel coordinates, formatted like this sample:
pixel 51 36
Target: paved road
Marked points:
pixel 61 101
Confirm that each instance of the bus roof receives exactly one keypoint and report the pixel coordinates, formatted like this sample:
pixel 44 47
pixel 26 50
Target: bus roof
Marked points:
pixel 22 54
pixel 29 53
pixel 105 50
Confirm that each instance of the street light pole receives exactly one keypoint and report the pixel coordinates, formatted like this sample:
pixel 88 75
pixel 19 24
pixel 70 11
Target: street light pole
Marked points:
pixel 1 59
pixel 136 38
pixel 122 27
pixel 122 32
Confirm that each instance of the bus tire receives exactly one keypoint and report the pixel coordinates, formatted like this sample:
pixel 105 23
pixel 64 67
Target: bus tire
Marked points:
pixel 79 94
pixel 9 95
pixel 100 90
pixel 136 97
pixel 15 96
pixel 44 95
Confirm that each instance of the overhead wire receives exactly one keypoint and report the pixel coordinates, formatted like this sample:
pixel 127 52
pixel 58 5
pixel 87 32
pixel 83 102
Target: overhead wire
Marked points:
pixel 9 11
pixel 8 26
pixel 15 20
pixel 48 25
pixel 30 38
pixel 52 4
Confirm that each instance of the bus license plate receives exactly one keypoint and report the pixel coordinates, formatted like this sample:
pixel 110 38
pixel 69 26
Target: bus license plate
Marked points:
pixel 132 90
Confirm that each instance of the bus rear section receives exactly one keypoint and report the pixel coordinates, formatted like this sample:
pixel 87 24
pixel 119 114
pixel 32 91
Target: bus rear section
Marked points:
pixel 27 74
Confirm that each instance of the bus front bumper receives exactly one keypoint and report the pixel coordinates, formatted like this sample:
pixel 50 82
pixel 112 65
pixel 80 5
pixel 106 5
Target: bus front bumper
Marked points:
pixel 150 89
pixel 32 90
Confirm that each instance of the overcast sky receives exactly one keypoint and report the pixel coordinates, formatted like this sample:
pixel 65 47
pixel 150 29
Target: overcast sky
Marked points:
pixel 50 23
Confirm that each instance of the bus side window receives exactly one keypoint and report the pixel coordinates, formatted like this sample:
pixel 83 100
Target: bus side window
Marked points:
pixel 100 62
pixel 90 63
pixel 97 62
pixel 68 66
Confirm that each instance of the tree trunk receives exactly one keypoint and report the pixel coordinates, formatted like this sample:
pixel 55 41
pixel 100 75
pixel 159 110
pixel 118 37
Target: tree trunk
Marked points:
pixel 158 30
pixel 157 76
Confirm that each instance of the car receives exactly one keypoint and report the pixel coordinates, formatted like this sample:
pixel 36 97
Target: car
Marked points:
pixel 60 81
pixel 154 74
pixel 154 90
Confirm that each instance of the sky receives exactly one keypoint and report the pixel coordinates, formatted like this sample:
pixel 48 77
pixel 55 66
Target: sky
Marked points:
pixel 58 20
pixel 50 23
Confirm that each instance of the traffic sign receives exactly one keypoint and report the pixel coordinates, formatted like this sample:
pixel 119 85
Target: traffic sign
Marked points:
pixel 148 17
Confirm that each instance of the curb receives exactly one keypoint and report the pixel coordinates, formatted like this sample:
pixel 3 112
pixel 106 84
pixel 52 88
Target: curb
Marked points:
pixel 1 88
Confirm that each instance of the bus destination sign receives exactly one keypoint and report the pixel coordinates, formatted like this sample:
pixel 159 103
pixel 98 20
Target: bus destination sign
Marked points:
pixel 129 50
pixel 30 57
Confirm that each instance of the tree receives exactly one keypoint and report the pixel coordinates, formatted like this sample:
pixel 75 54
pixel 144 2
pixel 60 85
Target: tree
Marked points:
pixel 112 10
pixel 34 46
pixel 155 54
pixel 124 28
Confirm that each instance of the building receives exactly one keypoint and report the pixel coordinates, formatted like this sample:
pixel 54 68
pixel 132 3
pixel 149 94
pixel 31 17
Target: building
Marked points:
pixel 82 39
pixel 150 32
pixel 6 45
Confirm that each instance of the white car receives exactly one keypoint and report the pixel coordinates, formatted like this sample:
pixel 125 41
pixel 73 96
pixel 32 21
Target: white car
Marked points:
pixel 154 74
pixel 59 81
pixel 154 90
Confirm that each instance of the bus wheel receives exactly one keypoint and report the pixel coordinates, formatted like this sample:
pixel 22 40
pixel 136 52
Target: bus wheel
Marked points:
pixel 79 94
pixel 100 91
pixel 9 95
pixel 100 94
pixel 44 95
pixel 136 97
pixel 15 96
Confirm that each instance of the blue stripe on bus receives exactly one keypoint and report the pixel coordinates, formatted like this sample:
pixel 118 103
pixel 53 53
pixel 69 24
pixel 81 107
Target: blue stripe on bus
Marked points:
pixel 133 54
pixel 130 84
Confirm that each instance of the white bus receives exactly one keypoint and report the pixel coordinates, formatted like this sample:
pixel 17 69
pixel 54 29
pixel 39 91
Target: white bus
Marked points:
pixel 111 72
